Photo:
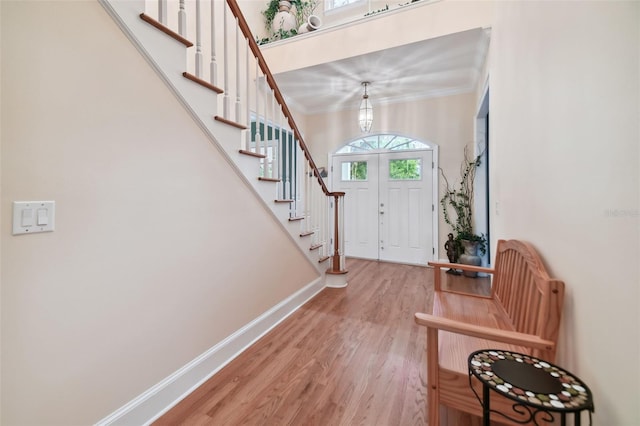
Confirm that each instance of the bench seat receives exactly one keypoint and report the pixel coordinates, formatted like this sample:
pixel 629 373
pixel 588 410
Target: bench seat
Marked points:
pixel 469 309
pixel 522 314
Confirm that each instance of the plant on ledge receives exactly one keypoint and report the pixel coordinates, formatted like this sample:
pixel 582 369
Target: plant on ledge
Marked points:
pixel 457 209
pixel 303 9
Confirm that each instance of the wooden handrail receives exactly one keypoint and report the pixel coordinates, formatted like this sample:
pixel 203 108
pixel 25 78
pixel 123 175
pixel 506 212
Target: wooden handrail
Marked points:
pixel 257 53
pixel 244 27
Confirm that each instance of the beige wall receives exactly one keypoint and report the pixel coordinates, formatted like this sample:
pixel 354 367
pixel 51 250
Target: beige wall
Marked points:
pixel 417 22
pixel 445 121
pixel 159 252
pixel 565 176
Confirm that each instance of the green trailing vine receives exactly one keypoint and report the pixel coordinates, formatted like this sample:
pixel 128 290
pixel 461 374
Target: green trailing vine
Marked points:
pixel 386 7
pixel 457 204
pixel 278 35
pixel 373 12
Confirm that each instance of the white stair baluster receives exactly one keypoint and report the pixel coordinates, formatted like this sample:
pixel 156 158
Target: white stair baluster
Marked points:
pixel 238 117
pixel 198 40
pixel 213 65
pixel 274 140
pixel 308 194
pixel 289 169
pixel 162 12
pixel 226 100
pixel 299 182
pixel 182 20
pixel 257 137
pixel 285 157
pixel 279 154
pixel 265 136
pixel 248 96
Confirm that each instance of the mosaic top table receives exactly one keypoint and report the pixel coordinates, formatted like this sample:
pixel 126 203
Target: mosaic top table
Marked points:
pixel 537 387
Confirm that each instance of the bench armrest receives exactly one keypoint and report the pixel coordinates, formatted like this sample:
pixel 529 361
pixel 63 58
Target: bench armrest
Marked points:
pixel 505 336
pixel 462 267
pixel 437 286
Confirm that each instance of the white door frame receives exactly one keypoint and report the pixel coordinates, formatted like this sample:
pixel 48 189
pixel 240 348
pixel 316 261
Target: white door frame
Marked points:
pixel 434 190
pixel 482 202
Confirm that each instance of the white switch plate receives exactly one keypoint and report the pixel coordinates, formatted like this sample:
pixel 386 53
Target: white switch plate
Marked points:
pixel 28 214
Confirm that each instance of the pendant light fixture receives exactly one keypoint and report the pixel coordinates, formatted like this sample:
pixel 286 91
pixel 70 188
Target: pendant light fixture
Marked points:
pixel 365 114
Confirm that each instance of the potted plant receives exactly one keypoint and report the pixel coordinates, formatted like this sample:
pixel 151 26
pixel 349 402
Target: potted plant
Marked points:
pixel 281 22
pixel 457 208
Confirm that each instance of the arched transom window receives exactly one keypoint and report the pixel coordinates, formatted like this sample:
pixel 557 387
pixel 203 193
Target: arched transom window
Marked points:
pixel 382 142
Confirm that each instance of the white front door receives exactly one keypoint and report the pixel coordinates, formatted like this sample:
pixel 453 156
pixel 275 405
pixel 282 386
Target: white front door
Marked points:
pixel 387 204
pixel 405 199
pixel 357 177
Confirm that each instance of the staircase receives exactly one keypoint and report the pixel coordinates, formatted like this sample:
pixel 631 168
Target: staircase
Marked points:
pixel 235 100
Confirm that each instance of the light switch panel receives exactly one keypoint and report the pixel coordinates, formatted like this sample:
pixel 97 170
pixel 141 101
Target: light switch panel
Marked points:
pixel 30 217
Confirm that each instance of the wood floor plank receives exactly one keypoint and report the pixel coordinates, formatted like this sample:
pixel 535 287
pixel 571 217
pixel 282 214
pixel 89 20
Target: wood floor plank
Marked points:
pixel 350 356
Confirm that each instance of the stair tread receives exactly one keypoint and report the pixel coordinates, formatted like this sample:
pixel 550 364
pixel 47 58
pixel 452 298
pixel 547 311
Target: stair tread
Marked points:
pixel 165 29
pixel 230 123
pixel 278 106
pixel 252 154
pixel 202 82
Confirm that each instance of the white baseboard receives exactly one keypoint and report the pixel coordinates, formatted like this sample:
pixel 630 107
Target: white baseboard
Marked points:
pixel 160 398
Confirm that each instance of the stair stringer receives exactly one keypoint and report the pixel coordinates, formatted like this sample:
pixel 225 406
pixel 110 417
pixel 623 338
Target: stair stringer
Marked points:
pixel 167 57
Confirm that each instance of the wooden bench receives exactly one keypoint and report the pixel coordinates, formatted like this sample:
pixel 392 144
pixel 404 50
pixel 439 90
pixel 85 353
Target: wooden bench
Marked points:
pixel 521 314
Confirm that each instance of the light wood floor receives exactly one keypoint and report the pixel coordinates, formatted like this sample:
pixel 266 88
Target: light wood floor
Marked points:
pixel 351 356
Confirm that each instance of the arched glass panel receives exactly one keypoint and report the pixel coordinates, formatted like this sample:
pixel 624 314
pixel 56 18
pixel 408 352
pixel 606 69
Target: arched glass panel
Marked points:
pixel 382 142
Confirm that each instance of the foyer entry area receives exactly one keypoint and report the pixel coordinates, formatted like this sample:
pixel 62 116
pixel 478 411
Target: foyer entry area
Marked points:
pixel 350 356
pixel 389 203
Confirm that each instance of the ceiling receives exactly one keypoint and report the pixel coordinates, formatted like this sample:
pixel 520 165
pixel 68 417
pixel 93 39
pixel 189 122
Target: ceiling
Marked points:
pixel 440 66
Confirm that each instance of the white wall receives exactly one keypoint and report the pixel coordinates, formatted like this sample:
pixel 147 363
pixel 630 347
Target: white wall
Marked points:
pixel 417 22
pixel 446 121
pixel 159 252
pixel 565 175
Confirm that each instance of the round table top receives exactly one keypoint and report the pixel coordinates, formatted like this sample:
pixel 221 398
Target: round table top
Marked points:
pixel 530 381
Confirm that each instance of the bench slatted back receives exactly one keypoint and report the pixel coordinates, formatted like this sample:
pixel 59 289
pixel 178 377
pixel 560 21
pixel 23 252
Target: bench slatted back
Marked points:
pixel 531 299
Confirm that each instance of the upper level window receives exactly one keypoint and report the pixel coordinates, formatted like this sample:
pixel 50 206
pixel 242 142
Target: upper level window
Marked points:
pixel 381 143
pixel 334 4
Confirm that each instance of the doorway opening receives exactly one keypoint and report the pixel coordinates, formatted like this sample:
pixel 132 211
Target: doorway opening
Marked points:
pixel 390 185
pixel 482 201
